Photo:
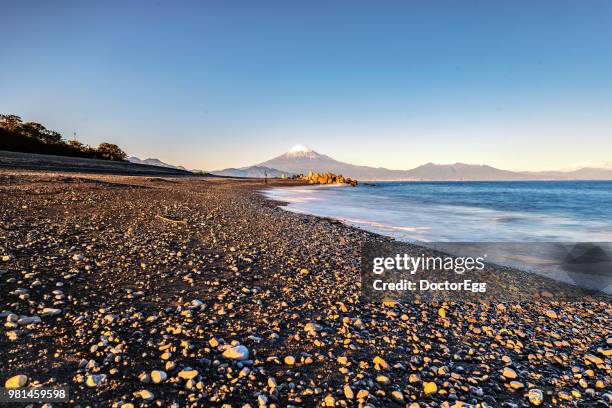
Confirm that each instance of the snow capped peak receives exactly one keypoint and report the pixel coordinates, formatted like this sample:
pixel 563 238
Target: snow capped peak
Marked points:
pixel 299 149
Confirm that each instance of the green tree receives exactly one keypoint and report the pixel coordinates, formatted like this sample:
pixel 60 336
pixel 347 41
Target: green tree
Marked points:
pixel 109 151
pixel 10 122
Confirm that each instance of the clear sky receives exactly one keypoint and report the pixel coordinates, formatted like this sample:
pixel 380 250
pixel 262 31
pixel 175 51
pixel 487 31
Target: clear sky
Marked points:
pixel 521 85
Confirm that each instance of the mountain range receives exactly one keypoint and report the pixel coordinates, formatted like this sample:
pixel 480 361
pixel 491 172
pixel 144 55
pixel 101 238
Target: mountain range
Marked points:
pixel 253 172
pixel 153 162
pixel 301 160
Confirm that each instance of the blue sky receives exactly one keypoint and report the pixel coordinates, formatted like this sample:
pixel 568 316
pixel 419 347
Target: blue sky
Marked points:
pixel 518 85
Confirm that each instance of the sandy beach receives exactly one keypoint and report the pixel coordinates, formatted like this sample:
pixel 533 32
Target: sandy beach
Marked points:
pixel 161 291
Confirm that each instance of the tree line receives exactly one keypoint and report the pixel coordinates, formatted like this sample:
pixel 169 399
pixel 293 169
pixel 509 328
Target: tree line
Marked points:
pixel 31 137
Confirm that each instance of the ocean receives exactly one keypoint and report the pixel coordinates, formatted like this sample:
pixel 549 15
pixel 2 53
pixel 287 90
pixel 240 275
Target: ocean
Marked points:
pixel 503 211
pixel 528 225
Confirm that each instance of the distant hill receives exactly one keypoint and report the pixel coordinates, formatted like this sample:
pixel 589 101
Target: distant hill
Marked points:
pixel 154 162
pixel 252 171
pixel 585 173
pixel 301 160
pixel 461 171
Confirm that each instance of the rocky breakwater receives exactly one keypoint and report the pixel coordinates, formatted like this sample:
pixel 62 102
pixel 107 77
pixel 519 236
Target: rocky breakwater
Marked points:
pixel 327 178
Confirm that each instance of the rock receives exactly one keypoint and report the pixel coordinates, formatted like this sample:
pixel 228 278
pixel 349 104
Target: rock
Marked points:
pixel 398 396
pixel 25 320
pixel 593 359
pixel 48 311
pixel 342 360
pixel 329 401
pixel 95 380
pixel 188 374
pixel 551 314
pixel 430 388
pixel 146 395
pixel 195 303
pixel 362 395
pixel 244 372
pixel 348 392
pixel 380 363
pixel 441 313
pixel 238 353
pixel 358 323
pixel 312 328
pixel 290 360
pixel 509 373
pixel 516 385
pixel 382 379
pixel 16 381
pixel 536 397
pixel 158 376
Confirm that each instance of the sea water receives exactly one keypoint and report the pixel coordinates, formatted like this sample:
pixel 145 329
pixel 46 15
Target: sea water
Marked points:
pixel 503 211
pixel 479 212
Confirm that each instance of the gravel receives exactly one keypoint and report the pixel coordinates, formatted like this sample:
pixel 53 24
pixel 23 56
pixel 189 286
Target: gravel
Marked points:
pixel 221 297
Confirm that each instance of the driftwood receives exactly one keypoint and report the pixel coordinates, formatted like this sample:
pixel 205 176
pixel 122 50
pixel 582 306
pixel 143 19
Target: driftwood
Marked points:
pixel 171 220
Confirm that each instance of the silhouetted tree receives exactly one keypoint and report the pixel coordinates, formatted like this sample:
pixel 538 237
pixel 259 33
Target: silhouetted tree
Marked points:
pixel 51 136
pixel 10 122
pixel 78 145
pixel 32 137
pixel 32 129
pixel 109 151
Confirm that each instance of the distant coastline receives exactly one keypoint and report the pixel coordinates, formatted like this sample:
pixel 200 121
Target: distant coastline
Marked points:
pixel 300 160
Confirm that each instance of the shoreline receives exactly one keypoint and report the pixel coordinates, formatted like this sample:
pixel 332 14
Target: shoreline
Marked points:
pixel 563 287
pixel 225 263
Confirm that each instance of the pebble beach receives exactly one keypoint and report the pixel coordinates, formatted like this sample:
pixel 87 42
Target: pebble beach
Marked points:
pixel 194 291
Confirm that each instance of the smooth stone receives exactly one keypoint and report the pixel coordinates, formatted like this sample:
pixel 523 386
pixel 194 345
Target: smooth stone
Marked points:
pixel 146 395
pixel 188 374
pixel 430 388
pixel 16 381
pixel 509 373
pixel 238 352
pixel 95 380
pixel 536 397
pixel 48 311
pixel 158 376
